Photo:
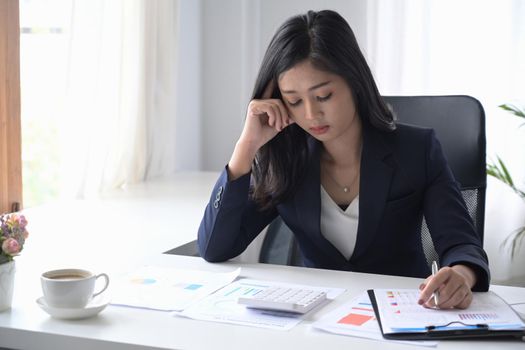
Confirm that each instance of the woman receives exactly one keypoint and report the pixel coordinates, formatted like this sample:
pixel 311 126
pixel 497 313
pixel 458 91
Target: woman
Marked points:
pixel 321 149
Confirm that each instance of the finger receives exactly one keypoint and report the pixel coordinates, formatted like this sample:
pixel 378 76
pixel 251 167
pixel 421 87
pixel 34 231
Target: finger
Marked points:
pixel 430 304
pixel 278 118
pixel 454 291
pixel 448 291
pixel 267 94
pixel 288 114
pixel 456 298
pixel 271 116
pixel 258 108
pixel 283 114
pixel 465 303
pixel 434 282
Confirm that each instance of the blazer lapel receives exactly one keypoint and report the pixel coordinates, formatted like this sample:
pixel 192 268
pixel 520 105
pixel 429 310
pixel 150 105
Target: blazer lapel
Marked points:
pixel 376 175
pixel 308 202
pixel 308 198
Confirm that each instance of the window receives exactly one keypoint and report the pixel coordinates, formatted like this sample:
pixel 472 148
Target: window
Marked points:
pixel 43 67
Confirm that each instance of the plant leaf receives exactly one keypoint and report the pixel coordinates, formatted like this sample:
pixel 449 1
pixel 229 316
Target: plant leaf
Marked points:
pixel 513 109
pixel 506 174
pixel 514 241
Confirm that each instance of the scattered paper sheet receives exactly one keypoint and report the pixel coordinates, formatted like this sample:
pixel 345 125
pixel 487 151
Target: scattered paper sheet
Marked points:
pixel 222 306
pixel 357 318
pixel 168 289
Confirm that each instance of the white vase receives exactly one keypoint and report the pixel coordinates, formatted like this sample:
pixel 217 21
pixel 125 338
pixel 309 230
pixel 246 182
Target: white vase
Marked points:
pixel 7 283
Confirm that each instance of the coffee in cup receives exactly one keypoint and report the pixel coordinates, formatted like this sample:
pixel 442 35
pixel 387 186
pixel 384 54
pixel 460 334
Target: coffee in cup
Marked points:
pixel 70 288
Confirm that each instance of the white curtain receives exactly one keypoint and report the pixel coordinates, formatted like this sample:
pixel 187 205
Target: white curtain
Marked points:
pixel 119 122
pixel 473 47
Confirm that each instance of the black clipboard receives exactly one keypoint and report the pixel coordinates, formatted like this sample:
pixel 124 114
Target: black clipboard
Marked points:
pixel 440 331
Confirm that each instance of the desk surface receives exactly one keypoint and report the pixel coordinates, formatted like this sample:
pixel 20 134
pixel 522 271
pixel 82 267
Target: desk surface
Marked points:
pixel 125 225
pixel 25 326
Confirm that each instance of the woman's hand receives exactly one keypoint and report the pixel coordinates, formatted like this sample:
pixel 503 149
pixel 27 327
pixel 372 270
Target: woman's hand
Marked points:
pixel 454 286
pixel 265 118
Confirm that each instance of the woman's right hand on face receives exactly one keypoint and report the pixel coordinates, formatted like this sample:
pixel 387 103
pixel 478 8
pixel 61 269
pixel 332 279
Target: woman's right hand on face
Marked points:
pixel 265 118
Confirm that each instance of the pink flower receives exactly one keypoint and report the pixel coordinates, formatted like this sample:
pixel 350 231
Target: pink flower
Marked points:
pixel 11 246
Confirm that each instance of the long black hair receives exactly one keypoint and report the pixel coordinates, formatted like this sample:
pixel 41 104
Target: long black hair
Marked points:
pixel 327 41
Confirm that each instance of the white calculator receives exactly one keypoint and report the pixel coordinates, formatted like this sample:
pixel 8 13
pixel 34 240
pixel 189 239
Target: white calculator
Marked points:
pixel 291 299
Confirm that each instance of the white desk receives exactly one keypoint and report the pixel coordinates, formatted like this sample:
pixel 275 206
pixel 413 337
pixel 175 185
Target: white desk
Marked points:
pixel 28 327
pixel 125 225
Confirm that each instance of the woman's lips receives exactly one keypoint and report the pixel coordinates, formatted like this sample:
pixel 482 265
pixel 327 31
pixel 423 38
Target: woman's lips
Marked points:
pixel 318 130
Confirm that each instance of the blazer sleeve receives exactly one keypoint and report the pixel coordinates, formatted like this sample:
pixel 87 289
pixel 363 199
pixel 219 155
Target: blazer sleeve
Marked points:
pixel 231 219
pixel 448 220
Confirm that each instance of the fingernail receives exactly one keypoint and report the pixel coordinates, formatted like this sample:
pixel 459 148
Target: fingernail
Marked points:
pixel 420 302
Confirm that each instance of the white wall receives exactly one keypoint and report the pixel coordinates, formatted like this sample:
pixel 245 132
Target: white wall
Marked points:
pixel 189 86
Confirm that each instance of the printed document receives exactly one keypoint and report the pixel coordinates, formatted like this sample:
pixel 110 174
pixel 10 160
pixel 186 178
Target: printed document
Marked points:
pixel 222 306
pixel 357 318
pixel 400 313
pixel 168 289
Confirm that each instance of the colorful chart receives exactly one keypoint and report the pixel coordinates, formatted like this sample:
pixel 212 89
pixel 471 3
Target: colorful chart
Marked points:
pixel 143 281
pixel 477 316
pixel 355 319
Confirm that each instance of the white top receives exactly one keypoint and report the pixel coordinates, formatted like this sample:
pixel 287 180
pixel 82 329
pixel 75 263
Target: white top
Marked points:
pixel 339 226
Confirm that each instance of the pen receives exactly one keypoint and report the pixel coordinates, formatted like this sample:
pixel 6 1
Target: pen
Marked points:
pixel 435 269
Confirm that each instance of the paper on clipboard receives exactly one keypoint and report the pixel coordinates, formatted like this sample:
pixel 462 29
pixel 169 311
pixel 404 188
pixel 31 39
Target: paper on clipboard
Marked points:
pixel 399 312
pixel 357 319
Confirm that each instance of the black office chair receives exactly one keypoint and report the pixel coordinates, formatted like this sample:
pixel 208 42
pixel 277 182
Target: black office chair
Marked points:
pixel 459 123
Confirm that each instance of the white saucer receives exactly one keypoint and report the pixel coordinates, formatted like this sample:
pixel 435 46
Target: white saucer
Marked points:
pixel 93 308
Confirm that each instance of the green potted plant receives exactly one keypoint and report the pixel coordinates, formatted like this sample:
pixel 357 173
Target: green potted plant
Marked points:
pixel 500 172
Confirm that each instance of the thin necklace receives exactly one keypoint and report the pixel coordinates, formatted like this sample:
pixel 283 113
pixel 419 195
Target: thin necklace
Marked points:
pixel 346 189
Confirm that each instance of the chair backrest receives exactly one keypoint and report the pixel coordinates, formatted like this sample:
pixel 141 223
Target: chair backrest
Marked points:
pixel 459 123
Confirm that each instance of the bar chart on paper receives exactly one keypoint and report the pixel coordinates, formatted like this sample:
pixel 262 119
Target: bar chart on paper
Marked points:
pixel 478 316
pixel 400 313
pixel 356 318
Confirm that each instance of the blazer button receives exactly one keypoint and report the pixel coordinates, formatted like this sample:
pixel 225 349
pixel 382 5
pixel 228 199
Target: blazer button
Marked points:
pixel 216 204
pixel 218 194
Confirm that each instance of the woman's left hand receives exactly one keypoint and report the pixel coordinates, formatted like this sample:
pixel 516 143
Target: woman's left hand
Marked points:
pixel 454 286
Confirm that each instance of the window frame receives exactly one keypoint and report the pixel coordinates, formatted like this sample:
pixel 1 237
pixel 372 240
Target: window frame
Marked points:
pixel 10 123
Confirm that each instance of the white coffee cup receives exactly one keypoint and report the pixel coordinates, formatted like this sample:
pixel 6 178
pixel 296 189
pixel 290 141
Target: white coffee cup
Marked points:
pixel 70 288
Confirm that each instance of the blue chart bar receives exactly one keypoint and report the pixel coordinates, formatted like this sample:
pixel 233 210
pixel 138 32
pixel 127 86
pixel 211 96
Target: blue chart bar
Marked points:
pixel 232 292
pixel 243 290
pixel 248 291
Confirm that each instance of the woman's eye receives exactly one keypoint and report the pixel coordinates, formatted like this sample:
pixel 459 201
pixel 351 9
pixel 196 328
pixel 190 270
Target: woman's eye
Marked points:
pixel 324 98
pixel 295 103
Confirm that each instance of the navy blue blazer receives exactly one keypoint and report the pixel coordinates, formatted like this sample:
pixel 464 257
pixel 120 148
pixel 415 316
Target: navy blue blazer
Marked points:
pixel 404 175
